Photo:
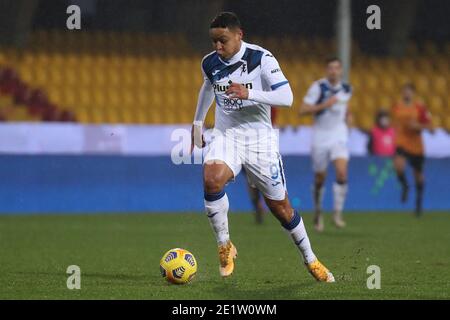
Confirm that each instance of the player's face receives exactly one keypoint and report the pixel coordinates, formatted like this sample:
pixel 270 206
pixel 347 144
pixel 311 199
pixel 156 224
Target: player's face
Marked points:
pixel 226 42
pixel 408 94
pixel 334 71
pixel 384 121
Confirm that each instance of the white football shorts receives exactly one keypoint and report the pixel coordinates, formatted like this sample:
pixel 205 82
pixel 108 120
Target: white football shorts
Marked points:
pixel 322 155
pixel 262 162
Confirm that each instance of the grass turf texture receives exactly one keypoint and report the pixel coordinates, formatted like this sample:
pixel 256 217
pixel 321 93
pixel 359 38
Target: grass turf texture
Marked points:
pixel 119 257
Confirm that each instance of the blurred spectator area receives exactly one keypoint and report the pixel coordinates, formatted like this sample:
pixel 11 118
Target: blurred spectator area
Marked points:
pixel 117 77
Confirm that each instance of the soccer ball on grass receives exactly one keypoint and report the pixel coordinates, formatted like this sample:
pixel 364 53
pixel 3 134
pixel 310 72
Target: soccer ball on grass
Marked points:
pixel 178 266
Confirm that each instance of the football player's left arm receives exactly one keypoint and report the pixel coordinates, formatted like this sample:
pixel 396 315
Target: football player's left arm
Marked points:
pixel 280 97
pixel 281 94
pixel 424 121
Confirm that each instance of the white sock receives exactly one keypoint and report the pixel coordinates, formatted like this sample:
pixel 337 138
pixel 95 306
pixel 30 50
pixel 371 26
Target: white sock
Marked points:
pixel 318 201
pixel 297 230
pixel 217 212
pixel 339 194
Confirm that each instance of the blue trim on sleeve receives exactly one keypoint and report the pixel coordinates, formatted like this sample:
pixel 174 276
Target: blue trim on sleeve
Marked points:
pixel 279 84
pixel 347 88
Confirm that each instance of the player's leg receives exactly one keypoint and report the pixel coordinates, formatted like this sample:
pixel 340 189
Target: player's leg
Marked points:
pixel 318 192
pixel 256 199
pixel 340 188
pixel 419 178
pixel 221 165
pixel 268 177
pixel 292 222
pixel 320 158
pixel 215 175
pixel 399 166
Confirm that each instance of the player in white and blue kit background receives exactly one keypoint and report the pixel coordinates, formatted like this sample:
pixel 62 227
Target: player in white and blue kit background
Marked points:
pixel 245 80
pixel 327 99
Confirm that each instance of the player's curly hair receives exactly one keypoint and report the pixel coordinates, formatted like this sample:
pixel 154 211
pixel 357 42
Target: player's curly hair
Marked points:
pixel 225 20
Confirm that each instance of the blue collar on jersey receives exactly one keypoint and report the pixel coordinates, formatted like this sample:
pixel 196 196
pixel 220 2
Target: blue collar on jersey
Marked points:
pixel 215 68
pixel 326 87
pixel 237 56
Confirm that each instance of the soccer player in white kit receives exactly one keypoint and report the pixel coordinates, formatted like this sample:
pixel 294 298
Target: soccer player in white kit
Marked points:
pixel 327 99
pixel 244 80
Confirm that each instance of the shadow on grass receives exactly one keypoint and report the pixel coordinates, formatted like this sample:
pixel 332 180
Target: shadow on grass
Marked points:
pixel 266 291
pixel 96 275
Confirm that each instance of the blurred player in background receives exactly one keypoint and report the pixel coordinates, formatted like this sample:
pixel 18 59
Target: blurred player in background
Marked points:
pixel 240 111
pixel 410 117
pixel 382 136
pixel 327 99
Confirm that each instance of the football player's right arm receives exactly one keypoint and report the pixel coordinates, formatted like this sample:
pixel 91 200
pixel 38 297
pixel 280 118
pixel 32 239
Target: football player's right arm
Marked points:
pixel 313 94
pixel 205 99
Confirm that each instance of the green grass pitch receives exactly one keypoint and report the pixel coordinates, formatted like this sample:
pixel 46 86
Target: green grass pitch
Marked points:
pixel 119 257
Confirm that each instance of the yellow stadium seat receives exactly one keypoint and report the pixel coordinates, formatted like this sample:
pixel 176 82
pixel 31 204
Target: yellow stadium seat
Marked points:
pixel 142 80
pixel 153 117
pixel 384 102
pixel 123 77
pixel 447 123
pixel 440 85
pixel 69 98
pixel 422 85
pixel 129 99
pixel 6 101
pixel 82 115
pixel 127 116
pixel 97 115
pixel 99 99
pixel 437 122
pixel 368 105
pixel 111 115
pixel 55 77
pixel 388 85
pixel 18 113
pixel 55 95
pixel 85 99
pixel 168 117
pixel 156 99
pixel 142 99
pixel 100 79
pixel 113 78
pixel 436 105
pixel 141 116
pixel 371 83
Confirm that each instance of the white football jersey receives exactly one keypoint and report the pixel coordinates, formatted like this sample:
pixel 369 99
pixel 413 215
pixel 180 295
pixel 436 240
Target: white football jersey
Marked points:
pixel 329 124
pixel 255 68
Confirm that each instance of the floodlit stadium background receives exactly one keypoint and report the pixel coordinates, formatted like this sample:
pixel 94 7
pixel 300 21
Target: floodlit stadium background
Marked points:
pixel 87 116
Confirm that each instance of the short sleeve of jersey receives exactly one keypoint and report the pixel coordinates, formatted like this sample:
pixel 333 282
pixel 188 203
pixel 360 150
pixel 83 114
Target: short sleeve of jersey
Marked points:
pixel 271 71
pixel 313 94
